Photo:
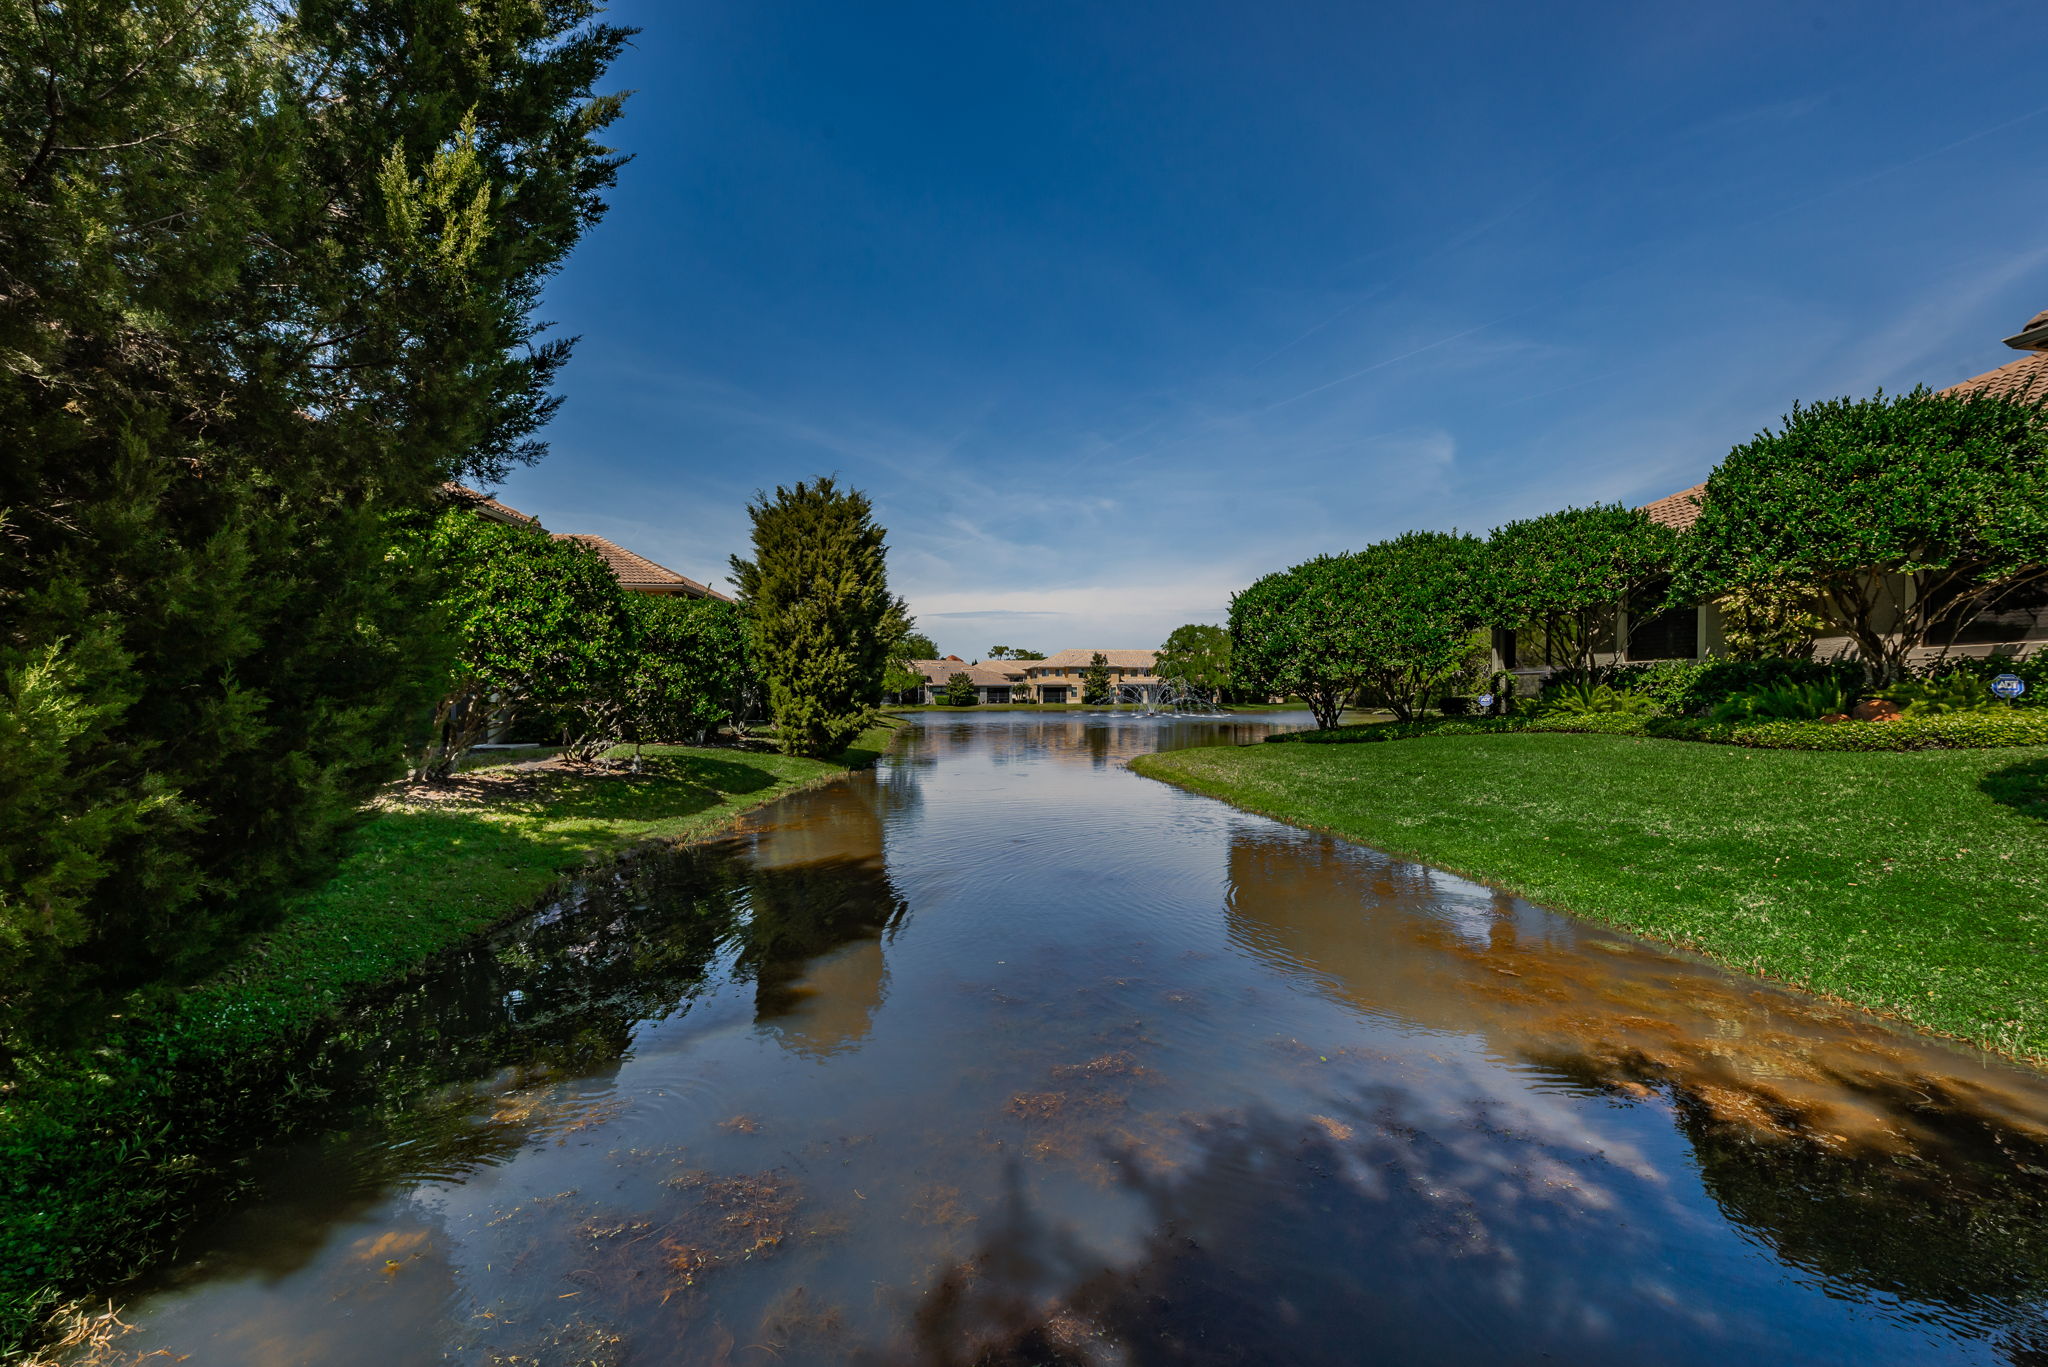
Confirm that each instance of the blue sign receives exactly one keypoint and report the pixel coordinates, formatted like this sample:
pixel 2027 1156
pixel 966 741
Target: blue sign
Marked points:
pixel 1485 702
pixel 2008 686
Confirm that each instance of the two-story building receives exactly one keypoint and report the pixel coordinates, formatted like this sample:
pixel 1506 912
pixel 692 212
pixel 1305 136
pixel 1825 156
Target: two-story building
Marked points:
pixel 1059 678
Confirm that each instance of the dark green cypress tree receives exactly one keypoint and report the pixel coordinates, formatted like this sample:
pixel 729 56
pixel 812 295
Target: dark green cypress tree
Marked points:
pixel 819 616
pixel 1095 683
pixel 266 282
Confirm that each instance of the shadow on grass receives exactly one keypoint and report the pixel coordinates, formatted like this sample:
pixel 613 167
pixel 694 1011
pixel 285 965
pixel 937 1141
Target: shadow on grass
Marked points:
pixel 2022 787
pixel 668 787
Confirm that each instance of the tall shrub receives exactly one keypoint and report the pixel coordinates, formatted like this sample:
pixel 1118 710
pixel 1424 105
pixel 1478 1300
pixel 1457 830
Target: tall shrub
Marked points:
pixel 819 613
pixel 266 280
pixel 1906 517
pixel 690 673
pixel 538 623
pixel 1566 574
pixel 1196 660
pixel 1297 632
pixel 1419 599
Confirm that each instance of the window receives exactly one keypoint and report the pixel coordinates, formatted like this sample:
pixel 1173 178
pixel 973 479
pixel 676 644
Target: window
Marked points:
pixel 1654 635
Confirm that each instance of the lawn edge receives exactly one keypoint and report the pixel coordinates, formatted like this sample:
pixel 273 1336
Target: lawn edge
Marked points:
pixel 1145 765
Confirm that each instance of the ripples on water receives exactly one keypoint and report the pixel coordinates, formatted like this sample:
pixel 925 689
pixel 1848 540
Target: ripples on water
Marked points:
pixel 1002 1054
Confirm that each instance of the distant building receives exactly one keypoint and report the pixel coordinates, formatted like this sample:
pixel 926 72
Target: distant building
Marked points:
pixel 994 682
pixel 1058 677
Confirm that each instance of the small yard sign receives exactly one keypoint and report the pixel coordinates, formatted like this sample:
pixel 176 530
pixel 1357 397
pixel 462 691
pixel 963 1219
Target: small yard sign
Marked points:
pixel 2008 686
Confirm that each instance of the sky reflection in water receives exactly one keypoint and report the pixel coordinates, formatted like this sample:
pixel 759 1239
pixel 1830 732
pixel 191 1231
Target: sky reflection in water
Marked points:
pixel 1003 1054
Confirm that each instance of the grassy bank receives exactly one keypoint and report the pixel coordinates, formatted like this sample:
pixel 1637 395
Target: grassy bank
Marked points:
pixel 104 1153
pixel 1913 883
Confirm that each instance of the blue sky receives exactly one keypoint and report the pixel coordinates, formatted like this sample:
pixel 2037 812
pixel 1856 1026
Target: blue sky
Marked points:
pixel 1113 307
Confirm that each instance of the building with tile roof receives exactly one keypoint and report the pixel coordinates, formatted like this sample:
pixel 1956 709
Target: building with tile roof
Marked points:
pixel 995 681
pixel 1059 677
pixel 1691 633
pixel 633 570
pixel 636 572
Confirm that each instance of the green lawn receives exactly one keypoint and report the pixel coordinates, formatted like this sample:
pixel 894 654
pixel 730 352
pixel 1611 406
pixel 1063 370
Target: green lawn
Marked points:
pixel 106 1153
pixel 1914 883
pixel 418 879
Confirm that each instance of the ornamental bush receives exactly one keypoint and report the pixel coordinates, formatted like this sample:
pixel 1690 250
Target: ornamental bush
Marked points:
pixel 1954 731
pixel 1905 516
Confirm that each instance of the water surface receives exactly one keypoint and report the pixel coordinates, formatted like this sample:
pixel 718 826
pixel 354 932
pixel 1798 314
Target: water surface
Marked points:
pixel 1004 1054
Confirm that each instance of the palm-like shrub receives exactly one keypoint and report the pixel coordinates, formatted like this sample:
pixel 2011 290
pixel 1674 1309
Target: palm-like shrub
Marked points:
pixel 1580 698
pixel 1791 700
pixel 1944 697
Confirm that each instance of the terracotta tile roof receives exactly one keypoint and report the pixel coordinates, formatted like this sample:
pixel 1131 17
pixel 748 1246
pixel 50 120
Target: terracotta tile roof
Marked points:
pixel 489 507
pixel 1078 659
pixel 638 573
pixel 2024 380
pixel 1677 511
pixel 941 672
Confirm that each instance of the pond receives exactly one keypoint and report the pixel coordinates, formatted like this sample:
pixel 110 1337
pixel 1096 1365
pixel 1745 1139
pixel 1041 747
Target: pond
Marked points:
pixel 1003 1054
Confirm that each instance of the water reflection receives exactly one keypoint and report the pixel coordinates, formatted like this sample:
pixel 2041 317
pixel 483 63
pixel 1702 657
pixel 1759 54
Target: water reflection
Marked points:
pixel 1005 1055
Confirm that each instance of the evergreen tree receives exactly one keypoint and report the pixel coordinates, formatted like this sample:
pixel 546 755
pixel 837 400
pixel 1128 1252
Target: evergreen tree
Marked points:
pixel 1095 685
pixel 959 691
pixel 266 281
pixel 820 619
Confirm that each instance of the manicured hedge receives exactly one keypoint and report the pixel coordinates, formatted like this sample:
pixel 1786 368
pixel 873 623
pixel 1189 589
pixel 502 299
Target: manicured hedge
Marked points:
pixel 1956 731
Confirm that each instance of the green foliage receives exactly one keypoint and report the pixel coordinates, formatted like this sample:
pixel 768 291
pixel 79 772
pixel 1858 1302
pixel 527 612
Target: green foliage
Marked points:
pixel 899 679
pixel 1294 632
pixel 2031 668
pixel 1582 699
pixel 819 613
pixel 690 674
pixel 1415 605
pixel 1688 688
pixel 1196 660
pixel 539 622
pixel 1096 688
pixel 959 691
pixel 1787 700
pixel 1906 516
pixel 1014 653
pixel 1567 573
pixel 1769 621
pixel 1944 696
pixel 268 281
pixel 1952 731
